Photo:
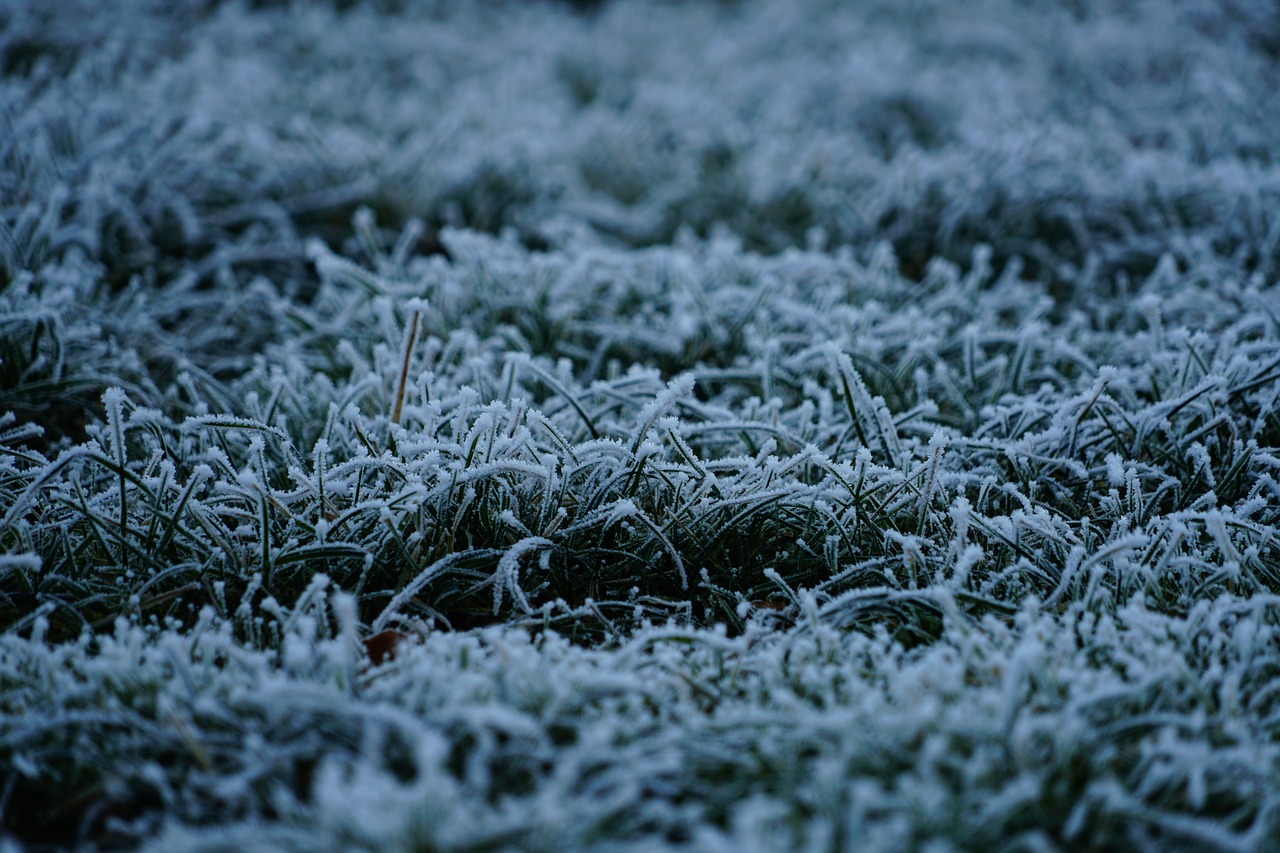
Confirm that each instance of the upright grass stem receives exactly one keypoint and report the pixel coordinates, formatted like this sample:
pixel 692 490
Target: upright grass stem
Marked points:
pixel 410 340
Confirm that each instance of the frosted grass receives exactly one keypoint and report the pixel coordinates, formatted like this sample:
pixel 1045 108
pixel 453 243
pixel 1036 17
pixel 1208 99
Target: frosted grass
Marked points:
pixel 757 425
pixel 1127 729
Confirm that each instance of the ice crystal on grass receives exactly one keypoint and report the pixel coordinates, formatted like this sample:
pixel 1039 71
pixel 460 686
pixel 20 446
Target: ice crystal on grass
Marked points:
pixel 466 426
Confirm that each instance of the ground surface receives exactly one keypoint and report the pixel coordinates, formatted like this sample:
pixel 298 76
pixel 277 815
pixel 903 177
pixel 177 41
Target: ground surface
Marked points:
pixel 640 426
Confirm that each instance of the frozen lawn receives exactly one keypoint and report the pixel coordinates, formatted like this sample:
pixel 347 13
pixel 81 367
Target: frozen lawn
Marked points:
pixel 771 424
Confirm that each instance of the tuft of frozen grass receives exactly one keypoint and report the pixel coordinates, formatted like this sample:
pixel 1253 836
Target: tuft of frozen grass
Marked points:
pixel 445 464
pixel 703 426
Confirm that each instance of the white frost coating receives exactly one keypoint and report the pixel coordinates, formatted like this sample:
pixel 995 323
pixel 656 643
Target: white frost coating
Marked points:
pixel 854 422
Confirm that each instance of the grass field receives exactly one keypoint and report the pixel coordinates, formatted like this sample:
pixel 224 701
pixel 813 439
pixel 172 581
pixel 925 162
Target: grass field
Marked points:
pixel 431 425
